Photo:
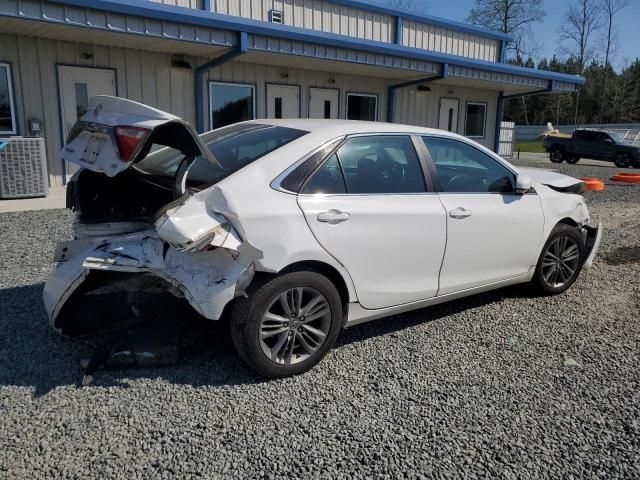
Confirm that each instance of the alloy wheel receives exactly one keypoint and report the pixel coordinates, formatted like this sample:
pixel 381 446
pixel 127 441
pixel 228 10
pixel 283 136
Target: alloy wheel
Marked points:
pixel 560 261
pixel 556 156
pixel 623 161
pixel 295 325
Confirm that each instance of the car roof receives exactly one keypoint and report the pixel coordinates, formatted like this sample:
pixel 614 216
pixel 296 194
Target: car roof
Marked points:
pixel 346 127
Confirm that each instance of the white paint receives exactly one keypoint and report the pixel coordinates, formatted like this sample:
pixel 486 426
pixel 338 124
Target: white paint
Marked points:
pixel 388 253
pixel 283 101
pixel 97 81
pixel 318 98
pixel 449 111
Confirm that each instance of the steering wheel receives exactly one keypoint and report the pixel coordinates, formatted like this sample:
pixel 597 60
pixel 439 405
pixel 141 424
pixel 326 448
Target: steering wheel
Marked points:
pixel 458 181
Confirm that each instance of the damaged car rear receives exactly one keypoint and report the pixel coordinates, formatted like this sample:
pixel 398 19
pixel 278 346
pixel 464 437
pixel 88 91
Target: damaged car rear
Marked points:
pixel 292 228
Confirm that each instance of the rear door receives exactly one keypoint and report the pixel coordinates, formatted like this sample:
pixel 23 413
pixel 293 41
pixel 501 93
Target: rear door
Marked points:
pixel 369 207
pixel 493 233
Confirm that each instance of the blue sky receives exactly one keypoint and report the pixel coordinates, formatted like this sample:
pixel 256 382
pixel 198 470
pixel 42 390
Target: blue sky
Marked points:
pixel 547 32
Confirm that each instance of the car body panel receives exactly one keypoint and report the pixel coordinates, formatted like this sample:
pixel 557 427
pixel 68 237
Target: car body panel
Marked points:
pixel 208 245
pixel 404 235
pixel 497 241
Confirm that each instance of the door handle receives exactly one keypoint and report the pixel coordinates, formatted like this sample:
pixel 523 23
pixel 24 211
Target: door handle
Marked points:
pixel 460 213
pixel 333 216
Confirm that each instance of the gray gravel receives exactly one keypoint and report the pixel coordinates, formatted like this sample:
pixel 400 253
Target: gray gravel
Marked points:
pixel 501 385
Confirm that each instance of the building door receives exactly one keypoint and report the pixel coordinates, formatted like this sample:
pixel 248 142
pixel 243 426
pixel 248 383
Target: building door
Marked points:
pixel 449 108
pixel 77 86
pixel 283 101
pixel 323 103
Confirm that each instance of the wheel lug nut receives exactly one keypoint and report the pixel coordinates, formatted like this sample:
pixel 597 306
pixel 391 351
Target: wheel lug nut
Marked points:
pixel 300 329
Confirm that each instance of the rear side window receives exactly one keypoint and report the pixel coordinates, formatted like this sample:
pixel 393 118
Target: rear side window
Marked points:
pixel 233 147
pixel 371 165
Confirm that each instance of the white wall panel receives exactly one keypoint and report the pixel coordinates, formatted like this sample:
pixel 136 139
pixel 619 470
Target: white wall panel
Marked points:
pixel 443 40
pixel 142 76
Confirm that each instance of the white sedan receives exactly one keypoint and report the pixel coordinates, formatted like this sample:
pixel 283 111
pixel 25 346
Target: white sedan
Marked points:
pixel 295 229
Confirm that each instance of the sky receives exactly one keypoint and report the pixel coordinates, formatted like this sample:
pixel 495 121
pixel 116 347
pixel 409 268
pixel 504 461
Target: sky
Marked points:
pixel 628 43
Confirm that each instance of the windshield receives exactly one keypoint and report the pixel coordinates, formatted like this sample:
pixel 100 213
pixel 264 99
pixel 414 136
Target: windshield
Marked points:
pixel 233 148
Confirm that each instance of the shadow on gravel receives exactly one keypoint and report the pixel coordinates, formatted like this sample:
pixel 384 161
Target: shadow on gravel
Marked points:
pixel 32 355
pixel 624 255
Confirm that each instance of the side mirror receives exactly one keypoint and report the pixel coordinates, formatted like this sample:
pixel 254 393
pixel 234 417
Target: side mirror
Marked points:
pixel 523 183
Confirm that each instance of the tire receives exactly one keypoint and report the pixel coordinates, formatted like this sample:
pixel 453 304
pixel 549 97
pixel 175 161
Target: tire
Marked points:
pixel 623 160
pixel 573 160
pixel 290 340
pixel 560 240
pixel 556 155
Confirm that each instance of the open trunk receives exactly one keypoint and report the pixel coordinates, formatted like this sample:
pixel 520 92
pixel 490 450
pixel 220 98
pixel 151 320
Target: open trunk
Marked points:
pixel 139 234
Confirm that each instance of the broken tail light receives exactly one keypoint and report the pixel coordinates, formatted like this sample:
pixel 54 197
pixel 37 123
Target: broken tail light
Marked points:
pixel 128 140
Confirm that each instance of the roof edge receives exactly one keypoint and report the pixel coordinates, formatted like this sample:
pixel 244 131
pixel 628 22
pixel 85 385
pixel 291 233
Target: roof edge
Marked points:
pixel 145 8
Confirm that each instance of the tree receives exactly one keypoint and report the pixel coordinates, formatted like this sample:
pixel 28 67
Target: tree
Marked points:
pixel 581 21
pixel 513 17
pixel 417 6
pixel 610 9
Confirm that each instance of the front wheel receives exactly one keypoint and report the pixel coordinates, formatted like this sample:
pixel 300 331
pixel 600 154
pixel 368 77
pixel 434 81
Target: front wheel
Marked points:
pixel 560 261
pixel 573 160
pixel 623 160
pixel 287 324
pixel 556 155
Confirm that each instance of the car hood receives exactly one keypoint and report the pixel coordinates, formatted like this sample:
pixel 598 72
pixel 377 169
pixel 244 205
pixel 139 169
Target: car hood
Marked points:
pixel 550 178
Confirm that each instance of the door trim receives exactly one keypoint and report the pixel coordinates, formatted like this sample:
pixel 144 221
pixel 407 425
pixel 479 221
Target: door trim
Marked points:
pixel 321 88
pixel 440 111
pixel 266 96
pixel 59 96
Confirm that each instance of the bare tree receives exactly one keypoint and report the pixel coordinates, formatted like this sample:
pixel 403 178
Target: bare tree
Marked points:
pixel 417 6
pixel 580 22
pixel 513 17
pixel 610 9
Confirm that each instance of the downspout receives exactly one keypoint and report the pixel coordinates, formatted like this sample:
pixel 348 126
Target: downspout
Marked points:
pixel 216 62
pixel 391 96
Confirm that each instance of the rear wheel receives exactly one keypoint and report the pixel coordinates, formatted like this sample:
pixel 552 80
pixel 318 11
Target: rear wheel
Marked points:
pixel 286 325
pixel 560 261
pixel 573 160
pixel 623 160
pixel 556 155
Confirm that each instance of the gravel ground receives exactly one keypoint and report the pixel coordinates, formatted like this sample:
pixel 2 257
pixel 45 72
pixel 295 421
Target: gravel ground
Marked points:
pixel 498 385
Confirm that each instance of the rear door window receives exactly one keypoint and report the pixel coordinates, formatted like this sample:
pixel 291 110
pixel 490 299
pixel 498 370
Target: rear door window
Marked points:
pixel 233 147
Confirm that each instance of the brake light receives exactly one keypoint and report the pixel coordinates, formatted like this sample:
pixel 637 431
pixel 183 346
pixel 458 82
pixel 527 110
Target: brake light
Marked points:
pixel 128 139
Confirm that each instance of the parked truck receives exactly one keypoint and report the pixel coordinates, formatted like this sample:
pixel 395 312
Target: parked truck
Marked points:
pixel 593 144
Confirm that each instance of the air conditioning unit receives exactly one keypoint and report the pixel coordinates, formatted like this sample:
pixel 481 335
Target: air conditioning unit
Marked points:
pixel 23 168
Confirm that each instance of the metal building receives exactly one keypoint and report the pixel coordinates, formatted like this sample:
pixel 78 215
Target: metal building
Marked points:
pixel 213 62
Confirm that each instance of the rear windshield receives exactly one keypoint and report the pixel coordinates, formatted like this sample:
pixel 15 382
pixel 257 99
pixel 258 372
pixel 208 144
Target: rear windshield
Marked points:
pixel 233 148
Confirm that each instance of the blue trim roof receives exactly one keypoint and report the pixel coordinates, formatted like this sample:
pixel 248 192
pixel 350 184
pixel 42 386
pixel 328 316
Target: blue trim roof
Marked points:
pixel 145 8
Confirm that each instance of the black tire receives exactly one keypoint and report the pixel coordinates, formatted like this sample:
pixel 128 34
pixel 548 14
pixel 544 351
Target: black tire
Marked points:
pixel 573 160
pixel 550 286
pixel 556 155
pixel 247 316
pixel 623 160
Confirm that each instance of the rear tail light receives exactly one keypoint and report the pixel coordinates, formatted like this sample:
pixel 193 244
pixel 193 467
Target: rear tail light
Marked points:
pixel 128 140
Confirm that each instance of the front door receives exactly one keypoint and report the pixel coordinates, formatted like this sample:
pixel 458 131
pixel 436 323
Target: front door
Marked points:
pixel 283 101
pixel 77 86
pixel 493 233
pixel 369 208
pixel 323 103
pixel 449 108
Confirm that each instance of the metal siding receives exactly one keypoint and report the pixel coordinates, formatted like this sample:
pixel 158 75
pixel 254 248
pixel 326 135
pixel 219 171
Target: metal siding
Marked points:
pixel 422 108
pixel 260 75
pixel 181 3
pixel 444 40
pixel 142 76
pixel 315 15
